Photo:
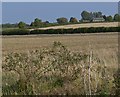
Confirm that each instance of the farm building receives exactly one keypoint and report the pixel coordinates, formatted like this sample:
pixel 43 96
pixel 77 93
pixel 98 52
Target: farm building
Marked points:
pixel 86 21
pixel 98 19
pixel 101 19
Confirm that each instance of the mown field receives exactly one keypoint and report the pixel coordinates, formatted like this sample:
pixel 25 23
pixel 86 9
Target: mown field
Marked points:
pixel 60 64
pixel 107 24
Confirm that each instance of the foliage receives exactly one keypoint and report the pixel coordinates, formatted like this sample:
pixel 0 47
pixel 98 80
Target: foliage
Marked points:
pixel 61 31
pixel 104 16
pixel 40 65
pixel 55 70
pixel 37 23
pixel 117 81
pixel 21 24
pixel 62 20
pixel 77 30
pixel 91 15
pixel 8 25
pixel 15 32
pixel 73 20
pixel 116 17
pixel 97 14
pixel 109 18
pixel 85 15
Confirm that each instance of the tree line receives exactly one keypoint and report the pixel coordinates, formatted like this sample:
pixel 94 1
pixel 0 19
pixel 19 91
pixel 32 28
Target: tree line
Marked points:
pixel 86 16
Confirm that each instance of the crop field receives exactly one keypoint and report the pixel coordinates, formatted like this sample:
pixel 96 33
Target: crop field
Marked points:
pixel 109 24
pixel 77 64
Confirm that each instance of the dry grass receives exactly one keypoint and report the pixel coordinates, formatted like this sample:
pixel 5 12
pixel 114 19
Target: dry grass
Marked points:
pixel 103 63
pixel 105 45
pixel 109 24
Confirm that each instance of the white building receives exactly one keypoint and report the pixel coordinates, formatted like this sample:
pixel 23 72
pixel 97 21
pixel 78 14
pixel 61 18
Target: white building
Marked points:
pixel 98 19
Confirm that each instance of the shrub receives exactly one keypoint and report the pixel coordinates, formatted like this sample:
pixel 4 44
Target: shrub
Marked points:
pixel 62 20
pixel 46 70
pixel 61 31
pixel 37 32
pixel 16 32
pixel 117 82
pixel 37 66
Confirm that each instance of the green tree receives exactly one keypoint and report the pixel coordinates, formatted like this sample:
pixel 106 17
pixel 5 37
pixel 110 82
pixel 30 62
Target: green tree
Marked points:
pixel 73 20
pixel 32 24
pixel 62 20
pixel 37 22
pixel 99 14
pixel 109 18
pixel 8 25
pixel 21 24
pixel 116 17
pixel 85 15
pixel 46 22
pixel 104 16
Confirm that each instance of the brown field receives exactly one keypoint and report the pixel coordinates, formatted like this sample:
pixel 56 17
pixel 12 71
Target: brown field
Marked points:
pixel 58 71
pixel 104 45
pixel 109 24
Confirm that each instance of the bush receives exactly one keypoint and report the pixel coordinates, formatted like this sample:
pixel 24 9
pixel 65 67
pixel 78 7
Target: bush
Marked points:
pixel 77 30
pixel 50 70
pixel 37 32
pixel 46 66
pixel 117 81
pixel 16 32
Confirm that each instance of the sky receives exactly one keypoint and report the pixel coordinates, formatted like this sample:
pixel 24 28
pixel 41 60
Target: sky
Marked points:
pixel 60 0
pixel 0 13
pixel 13 12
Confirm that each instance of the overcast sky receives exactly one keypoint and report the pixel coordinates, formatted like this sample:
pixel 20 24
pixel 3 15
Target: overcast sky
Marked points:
pixel 28 11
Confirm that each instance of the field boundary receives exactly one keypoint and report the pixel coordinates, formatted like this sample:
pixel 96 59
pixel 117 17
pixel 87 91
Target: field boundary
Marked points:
pixel 82 25
pixel 51 35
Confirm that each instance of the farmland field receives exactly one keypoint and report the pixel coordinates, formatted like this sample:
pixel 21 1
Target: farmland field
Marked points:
pixel 109 24
pixel 60 49
pixel 103 46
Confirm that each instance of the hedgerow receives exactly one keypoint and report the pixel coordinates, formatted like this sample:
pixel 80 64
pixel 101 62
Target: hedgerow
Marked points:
pixel 16 32
pixel 61 31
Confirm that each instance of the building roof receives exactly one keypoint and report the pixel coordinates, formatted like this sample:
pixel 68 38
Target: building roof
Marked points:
pixel 98 18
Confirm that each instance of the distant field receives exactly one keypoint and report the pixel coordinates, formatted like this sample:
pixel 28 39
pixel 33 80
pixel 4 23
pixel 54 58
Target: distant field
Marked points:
pixel 109 24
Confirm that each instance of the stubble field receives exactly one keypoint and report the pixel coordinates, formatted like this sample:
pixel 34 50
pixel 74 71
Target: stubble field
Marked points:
pixel 103 47
pixel 109 24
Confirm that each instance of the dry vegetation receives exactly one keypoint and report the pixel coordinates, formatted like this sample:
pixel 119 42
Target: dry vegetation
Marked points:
pixel 86 66
pixel 109 24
